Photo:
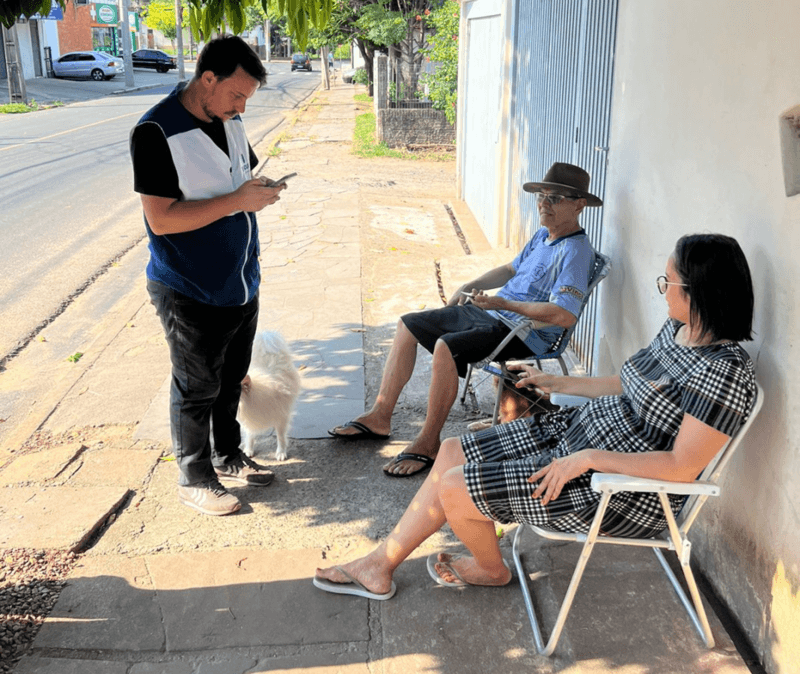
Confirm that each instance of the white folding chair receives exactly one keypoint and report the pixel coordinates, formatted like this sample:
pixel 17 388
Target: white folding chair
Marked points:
pixel 602 267
pixel 676 538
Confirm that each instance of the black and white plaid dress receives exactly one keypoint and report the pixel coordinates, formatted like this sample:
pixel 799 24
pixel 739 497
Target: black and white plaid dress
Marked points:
pixel 715 384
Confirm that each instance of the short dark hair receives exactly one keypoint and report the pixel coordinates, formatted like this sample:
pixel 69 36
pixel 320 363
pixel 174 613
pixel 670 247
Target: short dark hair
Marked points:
pixel 720 288
pixel 226 53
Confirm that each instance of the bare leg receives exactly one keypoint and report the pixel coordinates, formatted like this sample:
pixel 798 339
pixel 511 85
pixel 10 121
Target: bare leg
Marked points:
pixel 442 490
pixel 423 517
pixel 441 396
pixel 396 373
pixel 475 531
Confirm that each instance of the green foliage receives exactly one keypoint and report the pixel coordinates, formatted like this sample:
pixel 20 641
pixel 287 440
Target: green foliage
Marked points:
pixel 342 52
pixel 33 106
pixel 10 10
pixel 360 76
pixel 160 15
pixel 208 17
pixel 364 144
pixel 381 26
pixel 254 16
pixel 15 108
pixel 443 50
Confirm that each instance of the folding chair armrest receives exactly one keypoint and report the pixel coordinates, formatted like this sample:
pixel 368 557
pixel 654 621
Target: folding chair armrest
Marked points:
pixel 567 400
pixel 527 323
pixel 613 483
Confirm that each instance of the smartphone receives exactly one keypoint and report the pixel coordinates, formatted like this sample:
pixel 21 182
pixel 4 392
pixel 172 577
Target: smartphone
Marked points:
pixel 281 181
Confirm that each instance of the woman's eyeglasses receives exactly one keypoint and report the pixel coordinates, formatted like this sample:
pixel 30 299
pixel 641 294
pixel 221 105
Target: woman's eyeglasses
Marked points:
pixel 662 283
pixel 553 199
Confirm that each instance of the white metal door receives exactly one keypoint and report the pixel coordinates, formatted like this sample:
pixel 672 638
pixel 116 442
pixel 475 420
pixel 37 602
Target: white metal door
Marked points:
pixel 481 107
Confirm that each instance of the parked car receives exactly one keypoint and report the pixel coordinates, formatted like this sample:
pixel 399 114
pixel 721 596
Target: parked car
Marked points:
pixel 154 58
pixel 301 62
pixel 94 64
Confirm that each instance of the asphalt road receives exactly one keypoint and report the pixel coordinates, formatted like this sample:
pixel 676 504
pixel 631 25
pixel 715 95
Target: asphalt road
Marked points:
pixel 69 210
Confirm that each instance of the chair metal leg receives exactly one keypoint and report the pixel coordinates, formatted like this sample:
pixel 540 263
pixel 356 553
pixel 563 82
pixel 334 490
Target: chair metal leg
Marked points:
pixel 566 604
pixel 683 547
pixel 466 384
pixel 498 398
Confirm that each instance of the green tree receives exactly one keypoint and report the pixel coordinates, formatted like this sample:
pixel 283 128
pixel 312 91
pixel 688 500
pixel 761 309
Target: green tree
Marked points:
pixel 11 10
pixel 443 51
pixel 211 16
pixel 160 15
pixel 207 17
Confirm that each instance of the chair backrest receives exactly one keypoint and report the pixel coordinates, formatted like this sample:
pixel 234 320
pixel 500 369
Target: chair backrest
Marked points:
pixel 601 269
pixel 713 471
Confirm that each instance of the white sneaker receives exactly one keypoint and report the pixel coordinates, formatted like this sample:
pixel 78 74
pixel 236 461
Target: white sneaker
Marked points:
pixel 210 498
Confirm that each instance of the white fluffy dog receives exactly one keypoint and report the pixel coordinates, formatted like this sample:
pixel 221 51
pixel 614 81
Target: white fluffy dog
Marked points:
pixel 269 392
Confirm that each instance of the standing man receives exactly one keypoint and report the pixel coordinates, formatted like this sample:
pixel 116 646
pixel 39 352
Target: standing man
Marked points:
pixel 193 167
pixel 546 282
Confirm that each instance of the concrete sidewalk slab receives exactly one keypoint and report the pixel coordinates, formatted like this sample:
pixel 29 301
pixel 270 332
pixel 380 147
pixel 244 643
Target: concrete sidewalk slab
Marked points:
pixel 42 466
pixel 191 602
pixel 29 515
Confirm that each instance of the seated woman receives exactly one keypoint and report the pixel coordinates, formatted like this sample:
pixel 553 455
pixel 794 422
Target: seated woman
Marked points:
pixel 665 416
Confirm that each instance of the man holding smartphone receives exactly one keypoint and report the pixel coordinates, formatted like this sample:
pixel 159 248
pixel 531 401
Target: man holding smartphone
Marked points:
pixel 546 282
pixel 193 168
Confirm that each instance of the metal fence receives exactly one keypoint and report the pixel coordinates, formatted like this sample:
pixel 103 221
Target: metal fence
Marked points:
pixel 406 81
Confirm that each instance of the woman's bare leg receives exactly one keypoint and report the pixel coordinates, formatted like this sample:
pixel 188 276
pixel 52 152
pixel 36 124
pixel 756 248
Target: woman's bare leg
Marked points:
pixel 475 531
pixel 423 517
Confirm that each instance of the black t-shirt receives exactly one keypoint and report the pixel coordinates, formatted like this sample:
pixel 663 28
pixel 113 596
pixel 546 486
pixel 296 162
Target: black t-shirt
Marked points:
pixel 153 169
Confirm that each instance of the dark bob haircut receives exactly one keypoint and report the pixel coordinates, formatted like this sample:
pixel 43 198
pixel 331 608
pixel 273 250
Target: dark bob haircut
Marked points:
pixel 226 53
pixel 720 289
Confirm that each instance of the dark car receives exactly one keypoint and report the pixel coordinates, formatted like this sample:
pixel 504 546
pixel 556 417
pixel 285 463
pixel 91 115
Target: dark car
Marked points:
pixel 301 62
pixel 153 58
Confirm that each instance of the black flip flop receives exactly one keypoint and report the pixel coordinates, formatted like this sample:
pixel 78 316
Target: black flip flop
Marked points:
pixel 409 456
pixel 364 432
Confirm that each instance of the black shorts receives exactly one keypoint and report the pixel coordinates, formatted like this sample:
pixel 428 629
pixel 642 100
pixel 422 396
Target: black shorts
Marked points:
pixel 470 333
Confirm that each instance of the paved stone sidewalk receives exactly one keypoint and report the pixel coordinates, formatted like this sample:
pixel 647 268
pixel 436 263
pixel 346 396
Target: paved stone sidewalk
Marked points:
pixel 351 246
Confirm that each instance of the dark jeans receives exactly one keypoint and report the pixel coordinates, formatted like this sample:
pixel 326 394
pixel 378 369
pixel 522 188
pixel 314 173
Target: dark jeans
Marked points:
pixel 210 351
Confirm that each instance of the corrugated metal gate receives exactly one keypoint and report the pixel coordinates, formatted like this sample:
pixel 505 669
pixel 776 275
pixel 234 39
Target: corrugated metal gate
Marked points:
pixel 560 111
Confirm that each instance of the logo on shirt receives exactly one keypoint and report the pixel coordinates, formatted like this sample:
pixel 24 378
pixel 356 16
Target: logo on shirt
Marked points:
pixel 539 271
pixel 571 290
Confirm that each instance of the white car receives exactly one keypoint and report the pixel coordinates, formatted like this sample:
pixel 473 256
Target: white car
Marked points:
pixel 94 64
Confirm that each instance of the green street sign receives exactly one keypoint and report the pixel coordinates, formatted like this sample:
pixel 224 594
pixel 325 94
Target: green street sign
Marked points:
pixel 106 14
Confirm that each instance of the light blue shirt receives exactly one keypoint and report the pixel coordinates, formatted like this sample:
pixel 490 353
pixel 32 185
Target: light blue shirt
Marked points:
pixel 549 271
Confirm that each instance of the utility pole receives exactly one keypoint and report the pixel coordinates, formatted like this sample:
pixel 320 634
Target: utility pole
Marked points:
pixel 126 45
pixel 326 78
pixel 17 92
pixel 179 29
pixel 268 38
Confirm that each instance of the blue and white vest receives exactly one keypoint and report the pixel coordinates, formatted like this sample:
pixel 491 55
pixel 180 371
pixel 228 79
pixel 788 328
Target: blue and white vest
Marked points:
pixel 216 264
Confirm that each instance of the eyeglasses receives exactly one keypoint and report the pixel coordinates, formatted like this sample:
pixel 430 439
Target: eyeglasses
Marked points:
pixel 553 199
pixel 662 283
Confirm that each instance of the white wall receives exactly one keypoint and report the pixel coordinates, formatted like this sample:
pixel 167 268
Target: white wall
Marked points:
pixel 698 91
pixel 50 38
pixel 25 49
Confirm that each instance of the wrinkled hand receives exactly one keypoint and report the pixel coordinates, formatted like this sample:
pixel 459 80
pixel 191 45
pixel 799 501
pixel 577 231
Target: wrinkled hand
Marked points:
pixel 555 475
pixel 460 297
pixel 254 195
pixel 532 377
pixel 482 300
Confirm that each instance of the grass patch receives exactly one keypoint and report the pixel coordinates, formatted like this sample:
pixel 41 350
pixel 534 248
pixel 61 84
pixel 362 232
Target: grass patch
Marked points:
pixel 33 106
pixel 365 145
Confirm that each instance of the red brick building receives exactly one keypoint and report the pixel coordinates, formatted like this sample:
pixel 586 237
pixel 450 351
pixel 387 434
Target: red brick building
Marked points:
pixel 75 30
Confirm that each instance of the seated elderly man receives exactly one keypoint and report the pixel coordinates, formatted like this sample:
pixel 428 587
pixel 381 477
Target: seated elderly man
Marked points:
pixel 546 282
